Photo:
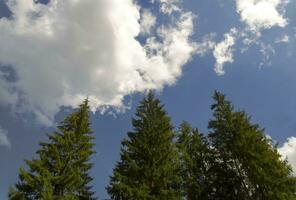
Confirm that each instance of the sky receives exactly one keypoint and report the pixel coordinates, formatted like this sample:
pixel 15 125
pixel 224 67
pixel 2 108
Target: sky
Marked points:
pixel 55 53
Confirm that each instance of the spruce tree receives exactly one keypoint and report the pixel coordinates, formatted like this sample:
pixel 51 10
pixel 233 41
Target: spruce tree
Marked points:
pixel 149 166
pixel 247 164
pixel 61 170
pixel 195 157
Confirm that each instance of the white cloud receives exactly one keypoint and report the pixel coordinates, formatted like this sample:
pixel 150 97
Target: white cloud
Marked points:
pixel 207 44
pixel 257 15
pixel 147 22
pixel 6 90
pixel 4 141
pixel 283 39
pixel 67 50
pixel 288 151
pixel 262 14
pixel 267 51
pixel 223 51
pixel 168 6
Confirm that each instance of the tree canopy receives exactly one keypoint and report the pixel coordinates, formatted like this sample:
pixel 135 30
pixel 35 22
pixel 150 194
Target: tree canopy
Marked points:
pixel 234 160
pixel 61 170
pixel 149 165
pixel 247 164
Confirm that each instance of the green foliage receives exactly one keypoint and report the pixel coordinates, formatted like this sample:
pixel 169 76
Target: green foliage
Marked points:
pixel 236 161
pixel 61 171
pixel 149 165
pixel 247 164
pixel 195 157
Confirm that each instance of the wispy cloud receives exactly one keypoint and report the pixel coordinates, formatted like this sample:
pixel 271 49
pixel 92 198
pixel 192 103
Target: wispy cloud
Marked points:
pixel 147 21
pixel 223 51
pixel 4 141
pixel 257 15
pixel 266 51
pixel 283 39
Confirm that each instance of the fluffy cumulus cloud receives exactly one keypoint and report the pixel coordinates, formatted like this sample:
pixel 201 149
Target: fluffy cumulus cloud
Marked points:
pixel 262 14
pixel 67 50
pixel 288 151
pixel 4 141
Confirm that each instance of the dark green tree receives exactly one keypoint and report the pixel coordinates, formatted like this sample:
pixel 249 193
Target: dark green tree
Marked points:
pixel 195 156
pixel 246 164
pixel 149 165
pixel 61 171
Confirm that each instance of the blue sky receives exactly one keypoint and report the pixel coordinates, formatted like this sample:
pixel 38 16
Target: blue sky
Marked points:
pixel 260 80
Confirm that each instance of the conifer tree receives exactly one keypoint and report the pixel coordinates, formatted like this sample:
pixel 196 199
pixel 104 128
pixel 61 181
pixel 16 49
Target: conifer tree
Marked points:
pixel 61 171
pixel 195 157
pixel 247 164
pixel 149 166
